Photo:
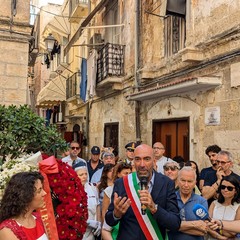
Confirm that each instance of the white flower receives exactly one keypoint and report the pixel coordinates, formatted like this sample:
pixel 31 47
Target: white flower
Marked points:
pixel 13 166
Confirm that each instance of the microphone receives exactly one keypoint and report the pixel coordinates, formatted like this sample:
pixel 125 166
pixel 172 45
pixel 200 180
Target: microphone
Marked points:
pixel 143 183
pixel 201 212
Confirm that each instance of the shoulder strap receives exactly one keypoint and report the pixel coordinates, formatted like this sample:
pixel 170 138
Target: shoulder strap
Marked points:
pixel 14 227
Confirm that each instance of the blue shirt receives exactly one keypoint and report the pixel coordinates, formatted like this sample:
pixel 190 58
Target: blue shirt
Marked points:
pixel 186 214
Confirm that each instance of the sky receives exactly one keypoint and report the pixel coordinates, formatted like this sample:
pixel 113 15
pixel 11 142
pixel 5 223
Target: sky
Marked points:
pixel 39 4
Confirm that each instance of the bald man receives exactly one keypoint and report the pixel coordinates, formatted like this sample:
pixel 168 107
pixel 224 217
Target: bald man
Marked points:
pixel 130 200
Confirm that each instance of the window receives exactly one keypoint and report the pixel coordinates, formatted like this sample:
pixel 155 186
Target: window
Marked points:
pixel 111 17
pixel 175 34
pixel 72 84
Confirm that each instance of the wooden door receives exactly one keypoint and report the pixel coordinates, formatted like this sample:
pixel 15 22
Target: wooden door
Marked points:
pixel 111 135
pixel 174 135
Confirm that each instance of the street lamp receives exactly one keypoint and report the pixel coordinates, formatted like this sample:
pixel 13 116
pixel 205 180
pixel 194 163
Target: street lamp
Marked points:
pixel 49 42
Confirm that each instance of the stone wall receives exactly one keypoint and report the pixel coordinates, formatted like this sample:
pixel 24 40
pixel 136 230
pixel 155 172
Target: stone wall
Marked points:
pixel 213 29
pixel 14 48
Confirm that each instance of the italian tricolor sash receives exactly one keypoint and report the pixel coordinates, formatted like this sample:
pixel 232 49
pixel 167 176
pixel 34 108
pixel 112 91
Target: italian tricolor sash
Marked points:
pixel 147 223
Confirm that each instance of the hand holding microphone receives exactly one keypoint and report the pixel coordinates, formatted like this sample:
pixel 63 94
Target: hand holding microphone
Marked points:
pixel 202 214
pixel 143 186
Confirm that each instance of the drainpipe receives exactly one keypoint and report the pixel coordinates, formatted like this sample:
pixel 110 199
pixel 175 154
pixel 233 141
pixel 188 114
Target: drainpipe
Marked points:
pixel 137 63
pixel 86 135
pixel 88 103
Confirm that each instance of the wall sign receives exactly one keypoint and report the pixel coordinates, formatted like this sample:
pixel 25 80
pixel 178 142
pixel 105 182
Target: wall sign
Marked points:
pixel 212 116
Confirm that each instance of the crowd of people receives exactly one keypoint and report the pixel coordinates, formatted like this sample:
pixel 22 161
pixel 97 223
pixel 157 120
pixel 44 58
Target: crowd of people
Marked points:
pixel 144 195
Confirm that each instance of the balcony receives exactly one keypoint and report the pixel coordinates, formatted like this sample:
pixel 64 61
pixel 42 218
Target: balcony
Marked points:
pixel 110 65
pixel 77 9
pixel 72 87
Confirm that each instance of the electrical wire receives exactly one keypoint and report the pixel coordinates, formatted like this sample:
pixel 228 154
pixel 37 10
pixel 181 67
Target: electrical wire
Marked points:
pixel 54 13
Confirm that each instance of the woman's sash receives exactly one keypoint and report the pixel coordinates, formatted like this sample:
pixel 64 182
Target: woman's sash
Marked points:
pixel 147 223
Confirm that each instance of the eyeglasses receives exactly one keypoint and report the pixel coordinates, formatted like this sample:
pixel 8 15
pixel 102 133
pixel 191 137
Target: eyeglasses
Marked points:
pixel 172 168
pixel 229 188
pixel 158 148
pixel 222 162
pixel 73 148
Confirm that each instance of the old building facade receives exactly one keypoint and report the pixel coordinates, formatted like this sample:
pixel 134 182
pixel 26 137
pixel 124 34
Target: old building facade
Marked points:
pixel 15 36
pixel 161 74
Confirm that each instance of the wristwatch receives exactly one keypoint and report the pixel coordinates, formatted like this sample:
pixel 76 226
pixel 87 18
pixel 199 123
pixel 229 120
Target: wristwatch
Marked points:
pixel 155 209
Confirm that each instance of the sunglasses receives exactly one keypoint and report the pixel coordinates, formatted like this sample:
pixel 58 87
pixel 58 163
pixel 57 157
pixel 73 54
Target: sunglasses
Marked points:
pixel 172 168
pixel 229 188
pixel 130 150
pixel 73 148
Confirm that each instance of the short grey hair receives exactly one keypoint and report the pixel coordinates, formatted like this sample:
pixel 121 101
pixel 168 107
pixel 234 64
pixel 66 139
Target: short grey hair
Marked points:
pixel 226 153
pixel 187 169
pixel 170 163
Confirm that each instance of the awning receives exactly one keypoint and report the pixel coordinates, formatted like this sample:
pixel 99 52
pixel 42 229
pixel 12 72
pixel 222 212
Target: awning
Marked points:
pixel 53 93
pixel 59 24
pixel 177 87
pixel 78 33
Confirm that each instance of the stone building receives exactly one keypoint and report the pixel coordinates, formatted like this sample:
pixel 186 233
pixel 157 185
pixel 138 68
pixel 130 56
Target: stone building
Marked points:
pixel 158 73
pixel 15 35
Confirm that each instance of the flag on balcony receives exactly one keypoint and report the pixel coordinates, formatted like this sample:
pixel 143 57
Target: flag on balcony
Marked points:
pixel 83 84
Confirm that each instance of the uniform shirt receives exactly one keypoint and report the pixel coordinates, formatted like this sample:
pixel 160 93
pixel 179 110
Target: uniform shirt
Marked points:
pixel 91 171
pixel 93 202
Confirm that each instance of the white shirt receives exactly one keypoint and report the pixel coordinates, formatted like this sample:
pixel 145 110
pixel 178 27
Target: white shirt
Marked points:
pixel 160 163
pixel 69 161
pixel 93 202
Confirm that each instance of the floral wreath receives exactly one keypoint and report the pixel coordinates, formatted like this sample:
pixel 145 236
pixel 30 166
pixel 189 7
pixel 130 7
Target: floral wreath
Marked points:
pixel 71 212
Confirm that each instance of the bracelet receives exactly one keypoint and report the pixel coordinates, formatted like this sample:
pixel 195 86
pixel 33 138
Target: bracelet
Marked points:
pixel 217 183
pixel 221 227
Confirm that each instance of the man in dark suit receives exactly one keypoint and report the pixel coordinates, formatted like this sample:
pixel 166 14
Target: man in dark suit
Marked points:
pixel 158 198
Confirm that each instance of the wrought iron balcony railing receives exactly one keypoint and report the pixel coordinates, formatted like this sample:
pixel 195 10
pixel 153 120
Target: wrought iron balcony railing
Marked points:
pixel 110 61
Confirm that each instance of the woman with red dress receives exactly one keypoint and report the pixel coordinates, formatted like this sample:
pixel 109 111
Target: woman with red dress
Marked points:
pixel 24 194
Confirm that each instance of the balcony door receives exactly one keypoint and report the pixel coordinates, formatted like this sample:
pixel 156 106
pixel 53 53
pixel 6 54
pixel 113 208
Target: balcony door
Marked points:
pixel 111 17
pixel 174 135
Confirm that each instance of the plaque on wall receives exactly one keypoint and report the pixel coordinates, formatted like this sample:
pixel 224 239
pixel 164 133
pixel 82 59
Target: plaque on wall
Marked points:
pixel 212 116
